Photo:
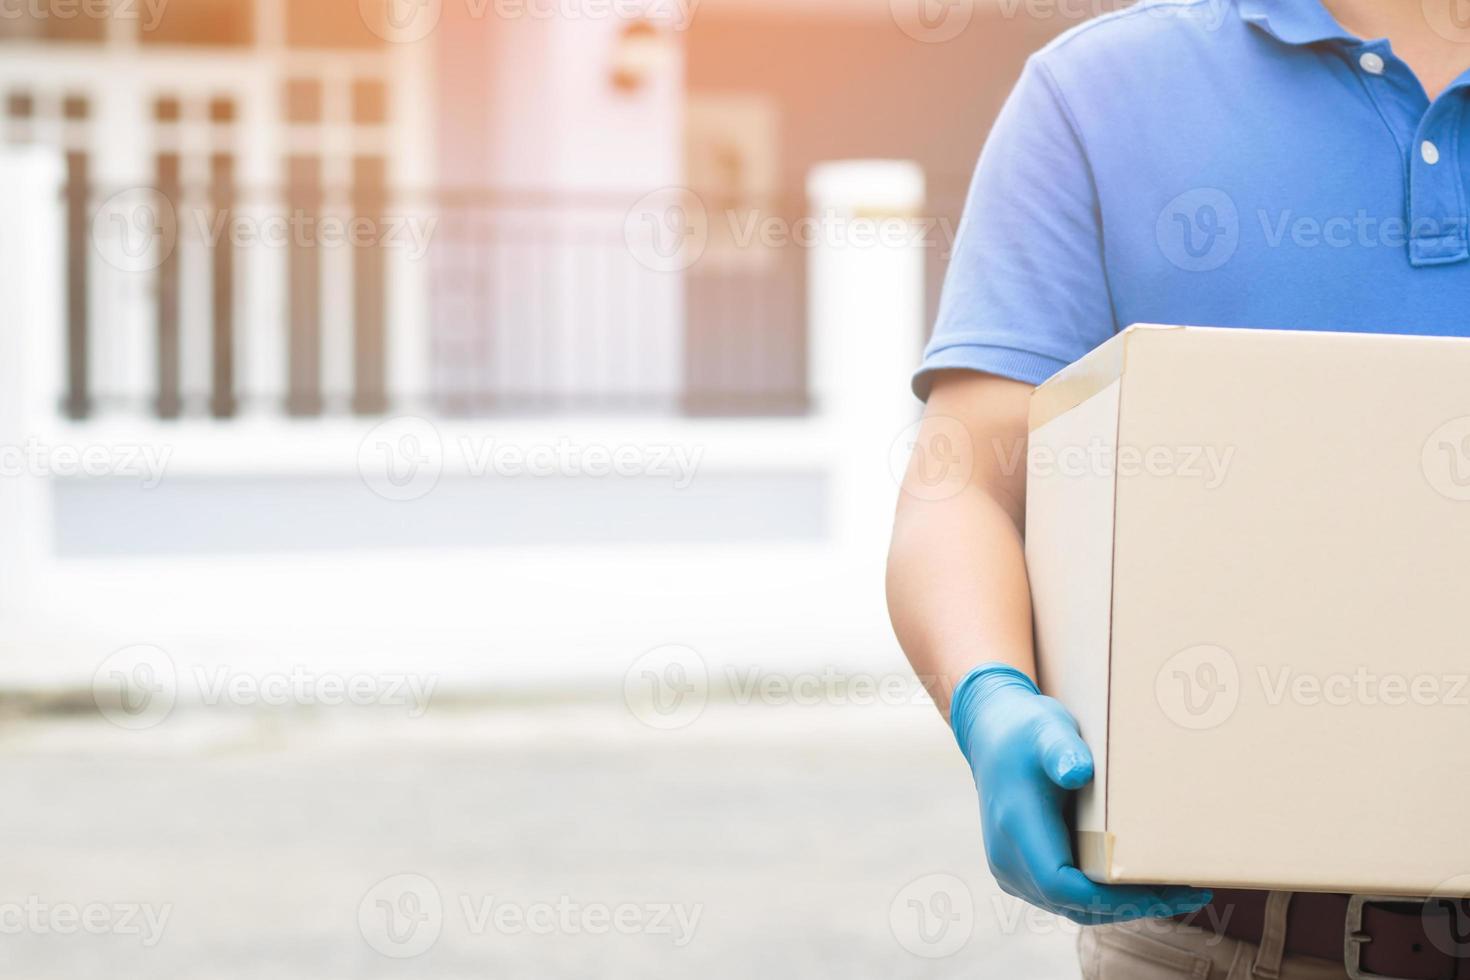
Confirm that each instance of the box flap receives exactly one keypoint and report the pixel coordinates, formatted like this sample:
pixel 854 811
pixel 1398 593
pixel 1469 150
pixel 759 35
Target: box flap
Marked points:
pixel 1080 380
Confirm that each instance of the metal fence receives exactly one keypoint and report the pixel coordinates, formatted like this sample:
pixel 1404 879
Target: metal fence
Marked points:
pixel 549 303
pixel 197 297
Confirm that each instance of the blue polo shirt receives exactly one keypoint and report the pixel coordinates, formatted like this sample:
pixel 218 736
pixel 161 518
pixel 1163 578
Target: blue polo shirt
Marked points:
pixel 1237 163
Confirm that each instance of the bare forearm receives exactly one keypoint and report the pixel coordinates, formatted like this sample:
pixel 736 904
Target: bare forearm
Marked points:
pixel 957 591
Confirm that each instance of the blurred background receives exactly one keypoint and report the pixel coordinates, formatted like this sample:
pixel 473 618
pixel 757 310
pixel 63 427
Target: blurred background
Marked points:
pixel 447 449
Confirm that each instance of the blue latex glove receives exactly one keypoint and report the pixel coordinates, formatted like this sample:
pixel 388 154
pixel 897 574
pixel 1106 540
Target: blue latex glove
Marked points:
pixel 1026 755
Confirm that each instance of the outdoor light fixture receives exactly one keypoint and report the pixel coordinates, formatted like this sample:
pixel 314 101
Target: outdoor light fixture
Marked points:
pixel 642 49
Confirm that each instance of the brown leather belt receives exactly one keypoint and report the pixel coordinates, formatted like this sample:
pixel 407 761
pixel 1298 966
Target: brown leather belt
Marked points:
pixel 1400 939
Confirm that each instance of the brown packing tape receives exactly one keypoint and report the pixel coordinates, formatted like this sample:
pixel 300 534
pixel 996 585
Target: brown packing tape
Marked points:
pixel 1095 854
pixel 1080 380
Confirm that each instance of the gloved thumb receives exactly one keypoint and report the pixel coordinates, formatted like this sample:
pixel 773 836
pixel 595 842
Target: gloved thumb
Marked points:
pixel 1064 756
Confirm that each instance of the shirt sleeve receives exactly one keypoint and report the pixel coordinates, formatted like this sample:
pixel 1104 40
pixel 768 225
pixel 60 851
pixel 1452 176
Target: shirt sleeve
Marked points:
pixel 1026 292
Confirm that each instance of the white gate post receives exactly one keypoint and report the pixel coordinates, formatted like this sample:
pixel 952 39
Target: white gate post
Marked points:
pixel 32 332
pixel 865 309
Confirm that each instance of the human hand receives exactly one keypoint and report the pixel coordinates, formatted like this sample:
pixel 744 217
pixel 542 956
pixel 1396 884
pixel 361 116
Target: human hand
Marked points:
pixel 1026 756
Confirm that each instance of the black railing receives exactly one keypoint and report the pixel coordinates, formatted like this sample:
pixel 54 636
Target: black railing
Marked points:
pixel 524 303
pixel 759 368
pixel 77 402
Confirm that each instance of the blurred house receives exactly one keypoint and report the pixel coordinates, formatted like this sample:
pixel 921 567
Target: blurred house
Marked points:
pixel 278 223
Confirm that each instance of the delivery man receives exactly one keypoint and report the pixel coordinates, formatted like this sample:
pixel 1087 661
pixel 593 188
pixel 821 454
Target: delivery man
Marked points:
pixel 1292 164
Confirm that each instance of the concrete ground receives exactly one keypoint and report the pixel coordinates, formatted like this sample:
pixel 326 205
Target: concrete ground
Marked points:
pixel 521 841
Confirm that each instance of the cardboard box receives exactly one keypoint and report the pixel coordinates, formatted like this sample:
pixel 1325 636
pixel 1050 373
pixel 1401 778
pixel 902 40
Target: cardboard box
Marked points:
pixel 1249 554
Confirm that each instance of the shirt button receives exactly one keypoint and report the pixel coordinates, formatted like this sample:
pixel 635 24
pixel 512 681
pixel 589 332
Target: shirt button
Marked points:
pixel 1429 152
pixel 1372 63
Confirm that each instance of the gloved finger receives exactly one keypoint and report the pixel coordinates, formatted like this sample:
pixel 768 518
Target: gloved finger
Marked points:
pixel 1072 889
pixel 1065 758
pixel 1040 838
pixel 1040 847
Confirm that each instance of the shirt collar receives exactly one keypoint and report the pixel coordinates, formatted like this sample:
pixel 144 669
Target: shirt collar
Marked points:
pixel 1294 21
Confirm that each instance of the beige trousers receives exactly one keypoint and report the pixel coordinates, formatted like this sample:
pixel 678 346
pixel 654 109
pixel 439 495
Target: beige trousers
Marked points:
pixel 1165 950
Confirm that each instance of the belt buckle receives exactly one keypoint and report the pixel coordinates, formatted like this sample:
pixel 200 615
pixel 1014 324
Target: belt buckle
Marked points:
pixel 1354 938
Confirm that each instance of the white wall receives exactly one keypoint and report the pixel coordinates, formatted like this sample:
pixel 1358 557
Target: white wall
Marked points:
pixel 557 122
pixel 533 112
pixel 473 616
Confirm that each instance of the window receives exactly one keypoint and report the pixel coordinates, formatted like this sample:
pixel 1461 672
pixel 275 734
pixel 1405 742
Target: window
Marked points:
pixel 331 24
pixel 303 100
pixel 215 23
pixel 369 102
pixel 55 22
